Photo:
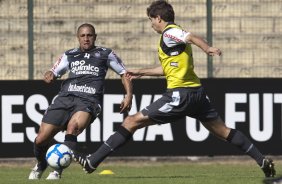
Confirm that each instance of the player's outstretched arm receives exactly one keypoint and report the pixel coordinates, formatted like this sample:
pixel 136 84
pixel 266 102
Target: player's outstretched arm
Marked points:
pixel 201 43
pixel 126 103
pixel 137 73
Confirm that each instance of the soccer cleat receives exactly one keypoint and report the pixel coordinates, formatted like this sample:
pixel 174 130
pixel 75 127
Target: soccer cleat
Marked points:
pixel 268 167
pixel 277 180
pixel 55 175
pixel 36 173
pixel 83 160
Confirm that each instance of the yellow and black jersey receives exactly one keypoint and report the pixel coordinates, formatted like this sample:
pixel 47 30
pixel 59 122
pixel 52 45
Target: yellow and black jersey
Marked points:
pixel 176 58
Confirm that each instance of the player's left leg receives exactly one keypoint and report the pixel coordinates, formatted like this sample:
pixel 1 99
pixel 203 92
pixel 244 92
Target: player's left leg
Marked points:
pixel 83 114
pixel 78 122
pixel 237 138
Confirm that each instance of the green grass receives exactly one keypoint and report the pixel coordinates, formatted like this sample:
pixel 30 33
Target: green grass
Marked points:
pixel 147 173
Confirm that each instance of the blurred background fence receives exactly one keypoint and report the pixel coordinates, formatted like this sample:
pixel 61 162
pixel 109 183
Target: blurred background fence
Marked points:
pixel 248 32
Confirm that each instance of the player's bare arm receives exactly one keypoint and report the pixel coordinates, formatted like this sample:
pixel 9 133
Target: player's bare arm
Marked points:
pixel 126 103
pixel 198 41
pixel 137 73
pixel 49 77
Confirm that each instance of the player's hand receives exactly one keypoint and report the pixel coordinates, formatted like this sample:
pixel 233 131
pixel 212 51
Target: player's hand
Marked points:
pixel 132 74
pixel 214 51
pixel 126 103
pixel 49 77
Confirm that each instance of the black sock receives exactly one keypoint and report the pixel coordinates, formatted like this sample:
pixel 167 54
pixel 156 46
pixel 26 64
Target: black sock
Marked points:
pixel 238 139
pixel 71 141
pixel 40 153
pixel 120 137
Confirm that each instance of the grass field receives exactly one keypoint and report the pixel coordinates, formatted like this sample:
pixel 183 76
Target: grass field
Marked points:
pixel 145 172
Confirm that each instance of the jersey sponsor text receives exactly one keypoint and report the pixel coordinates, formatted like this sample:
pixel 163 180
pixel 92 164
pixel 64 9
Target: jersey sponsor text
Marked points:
pixel 79 67
pixel 83 88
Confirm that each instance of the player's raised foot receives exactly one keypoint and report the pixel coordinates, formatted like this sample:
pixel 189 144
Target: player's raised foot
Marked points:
pixel 83 160
pixel 268 167
pixel 36 172
pixel 55 175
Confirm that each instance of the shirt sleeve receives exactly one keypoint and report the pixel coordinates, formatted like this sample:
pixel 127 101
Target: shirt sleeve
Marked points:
pixel 175 36
pixel 61 66
pixel 115 63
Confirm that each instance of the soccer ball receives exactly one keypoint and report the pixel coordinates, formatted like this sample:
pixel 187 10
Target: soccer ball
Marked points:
pixel 58 156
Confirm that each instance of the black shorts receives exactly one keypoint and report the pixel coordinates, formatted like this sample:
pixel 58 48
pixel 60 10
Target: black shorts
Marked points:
pixel 63 108
pixel 180 102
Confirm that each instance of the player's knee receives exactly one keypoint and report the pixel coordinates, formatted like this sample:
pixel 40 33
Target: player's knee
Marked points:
pixel 126 122
pixel 39 141
pixel 131 123
pixel 74 128
pixel 71 127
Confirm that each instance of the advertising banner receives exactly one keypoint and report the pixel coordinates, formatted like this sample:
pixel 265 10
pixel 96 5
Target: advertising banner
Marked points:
pixel 253 106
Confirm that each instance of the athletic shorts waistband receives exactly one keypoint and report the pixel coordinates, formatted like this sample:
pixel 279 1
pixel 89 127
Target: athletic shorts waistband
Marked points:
pixel 184 89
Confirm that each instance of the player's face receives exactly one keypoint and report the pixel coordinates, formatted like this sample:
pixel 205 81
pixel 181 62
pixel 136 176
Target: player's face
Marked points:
pixel 86 38
pixel 155 23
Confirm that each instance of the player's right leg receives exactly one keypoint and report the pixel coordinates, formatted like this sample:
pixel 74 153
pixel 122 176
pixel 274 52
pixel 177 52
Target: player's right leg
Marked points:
pixel 157 112
pixel 119 138
pixel 42 142
pixel 53 121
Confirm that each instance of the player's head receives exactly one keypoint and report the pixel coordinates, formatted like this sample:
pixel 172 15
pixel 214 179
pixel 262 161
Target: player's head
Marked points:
pixel 86 36
pixel 161 8
pixel 160 12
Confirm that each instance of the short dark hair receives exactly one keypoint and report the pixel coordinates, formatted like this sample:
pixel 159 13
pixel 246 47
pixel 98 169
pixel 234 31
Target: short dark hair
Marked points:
pixel 161 8
pixel 86 25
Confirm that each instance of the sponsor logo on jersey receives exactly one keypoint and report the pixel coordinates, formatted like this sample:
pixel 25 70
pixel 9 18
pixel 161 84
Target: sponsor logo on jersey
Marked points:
pixel 174 53
pixel 80 67
pixel 97 54
pixel 82 88
pixel 172 37
pixel 57 63
pixel 175 64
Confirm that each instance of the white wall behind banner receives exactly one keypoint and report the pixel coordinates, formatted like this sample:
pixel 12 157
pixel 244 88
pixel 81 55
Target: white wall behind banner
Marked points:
pixel 243 103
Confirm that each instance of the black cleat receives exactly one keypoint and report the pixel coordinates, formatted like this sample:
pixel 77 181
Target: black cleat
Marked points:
pixel 83 160
pixel 277 180
pixel 268 167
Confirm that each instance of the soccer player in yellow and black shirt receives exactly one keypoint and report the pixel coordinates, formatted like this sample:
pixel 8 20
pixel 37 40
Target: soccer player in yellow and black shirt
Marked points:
pixel 185 95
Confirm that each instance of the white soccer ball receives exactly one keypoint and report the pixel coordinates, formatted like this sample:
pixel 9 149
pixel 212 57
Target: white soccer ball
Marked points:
pixel 59 156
